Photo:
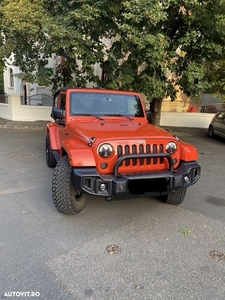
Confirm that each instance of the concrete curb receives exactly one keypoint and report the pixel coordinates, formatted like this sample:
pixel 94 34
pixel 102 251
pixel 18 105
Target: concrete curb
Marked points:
pixel 186 131
pixel 22 127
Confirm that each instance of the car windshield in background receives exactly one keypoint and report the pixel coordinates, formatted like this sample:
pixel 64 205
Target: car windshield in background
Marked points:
pixel 101 104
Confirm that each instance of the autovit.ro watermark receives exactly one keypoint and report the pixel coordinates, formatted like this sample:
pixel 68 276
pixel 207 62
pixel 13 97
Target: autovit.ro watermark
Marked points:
pixel 20 294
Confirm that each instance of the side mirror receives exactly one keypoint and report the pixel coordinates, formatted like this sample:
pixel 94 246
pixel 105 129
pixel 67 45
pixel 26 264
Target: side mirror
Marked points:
pixel 57 113
pixel 149 116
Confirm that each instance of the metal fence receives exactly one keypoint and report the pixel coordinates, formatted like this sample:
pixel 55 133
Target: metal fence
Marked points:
pixel 37 100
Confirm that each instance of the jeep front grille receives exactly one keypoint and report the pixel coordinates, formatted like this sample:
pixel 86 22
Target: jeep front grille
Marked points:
pixel 140 149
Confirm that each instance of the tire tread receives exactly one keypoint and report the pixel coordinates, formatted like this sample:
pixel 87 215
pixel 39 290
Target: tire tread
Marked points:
pixel 63 190
pixel 175 198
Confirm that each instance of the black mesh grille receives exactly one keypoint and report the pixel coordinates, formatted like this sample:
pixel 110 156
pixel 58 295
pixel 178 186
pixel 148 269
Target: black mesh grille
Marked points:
pixel 141 149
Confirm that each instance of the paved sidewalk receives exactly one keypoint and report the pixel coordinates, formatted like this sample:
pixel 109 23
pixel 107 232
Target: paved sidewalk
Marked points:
pixel 41 125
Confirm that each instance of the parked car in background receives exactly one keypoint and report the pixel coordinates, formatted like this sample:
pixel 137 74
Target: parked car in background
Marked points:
pixel 212 108
pixel 217 125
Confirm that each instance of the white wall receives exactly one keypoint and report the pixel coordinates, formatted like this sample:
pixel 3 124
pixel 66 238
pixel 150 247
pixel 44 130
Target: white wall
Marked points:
pixel 5 111
pixel 15 111
pixel 17 86
pixel 178 119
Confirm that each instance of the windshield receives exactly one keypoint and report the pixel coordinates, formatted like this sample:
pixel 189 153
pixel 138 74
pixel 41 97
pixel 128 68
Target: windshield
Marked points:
pixel 100 104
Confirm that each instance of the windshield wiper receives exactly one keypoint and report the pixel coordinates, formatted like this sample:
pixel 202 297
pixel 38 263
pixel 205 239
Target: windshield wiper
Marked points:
pixel 89 115
pixel 119 115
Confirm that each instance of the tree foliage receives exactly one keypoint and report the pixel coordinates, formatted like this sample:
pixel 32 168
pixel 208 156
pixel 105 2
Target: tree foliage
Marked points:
pixel 216 76
pixel 153 46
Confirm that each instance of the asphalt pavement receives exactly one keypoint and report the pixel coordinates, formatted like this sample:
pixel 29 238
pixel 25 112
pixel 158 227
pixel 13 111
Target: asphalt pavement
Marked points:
pixel 136 249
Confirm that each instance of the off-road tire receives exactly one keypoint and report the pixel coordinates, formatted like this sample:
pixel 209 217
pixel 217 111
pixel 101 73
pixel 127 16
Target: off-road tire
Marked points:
pixel 50 159
pixel 67 199
pixel 175 198
pixel 210 131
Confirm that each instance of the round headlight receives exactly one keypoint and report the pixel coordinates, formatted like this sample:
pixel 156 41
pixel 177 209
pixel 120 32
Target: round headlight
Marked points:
pixel 105 150
pixel 171 147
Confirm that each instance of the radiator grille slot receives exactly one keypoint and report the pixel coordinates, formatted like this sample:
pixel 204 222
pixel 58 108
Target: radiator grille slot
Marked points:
pixel 140 149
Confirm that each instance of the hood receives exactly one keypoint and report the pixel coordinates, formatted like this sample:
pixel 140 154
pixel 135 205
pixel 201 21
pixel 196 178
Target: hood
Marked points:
pixel 116 129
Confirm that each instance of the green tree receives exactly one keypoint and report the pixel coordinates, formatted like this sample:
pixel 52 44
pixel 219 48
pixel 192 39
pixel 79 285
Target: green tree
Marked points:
pixel 155 45
pixel 216 75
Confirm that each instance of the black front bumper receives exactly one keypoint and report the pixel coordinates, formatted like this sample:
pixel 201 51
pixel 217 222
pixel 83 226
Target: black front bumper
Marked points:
pixel 153 182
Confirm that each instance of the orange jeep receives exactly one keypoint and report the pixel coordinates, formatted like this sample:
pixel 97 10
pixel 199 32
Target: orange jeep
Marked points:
pixel 102 144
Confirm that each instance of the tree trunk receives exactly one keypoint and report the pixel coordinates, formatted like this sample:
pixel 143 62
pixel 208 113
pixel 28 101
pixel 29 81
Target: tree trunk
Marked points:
pixel 155 108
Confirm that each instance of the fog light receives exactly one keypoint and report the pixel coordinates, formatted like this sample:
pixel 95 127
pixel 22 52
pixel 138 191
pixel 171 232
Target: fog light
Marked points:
pixel 104 165
pixel 121 188
pixel 103 187
pixel 187 179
